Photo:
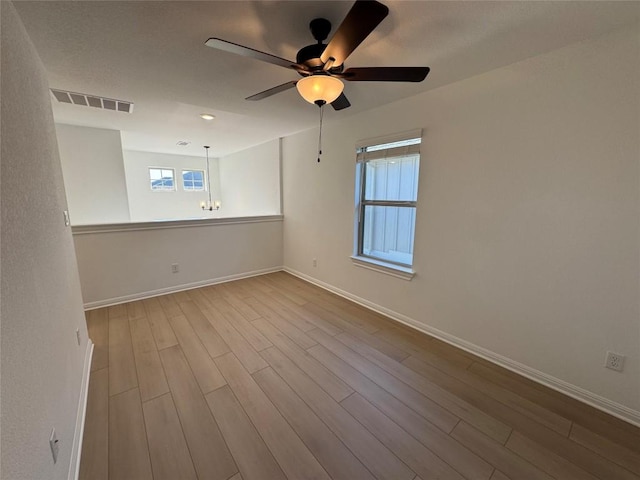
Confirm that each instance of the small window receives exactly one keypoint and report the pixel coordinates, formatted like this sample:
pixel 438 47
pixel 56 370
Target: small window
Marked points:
pixel 161 179
pixel 387 200
pixel 193 180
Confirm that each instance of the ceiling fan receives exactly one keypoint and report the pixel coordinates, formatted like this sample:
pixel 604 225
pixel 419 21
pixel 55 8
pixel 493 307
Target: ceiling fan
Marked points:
pixel 322 65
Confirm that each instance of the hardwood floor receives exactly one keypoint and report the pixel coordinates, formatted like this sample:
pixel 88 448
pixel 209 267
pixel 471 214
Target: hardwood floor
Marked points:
pixel 274 378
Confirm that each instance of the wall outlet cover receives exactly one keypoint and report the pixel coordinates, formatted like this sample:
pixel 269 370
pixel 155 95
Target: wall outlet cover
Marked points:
pixel 614 361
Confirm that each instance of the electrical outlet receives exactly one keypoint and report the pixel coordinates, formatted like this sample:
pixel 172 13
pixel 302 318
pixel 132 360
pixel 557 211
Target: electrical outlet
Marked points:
pixel 614 361
pixel 78 335
pixel 54 443
pixel 315 262
pixel 175 268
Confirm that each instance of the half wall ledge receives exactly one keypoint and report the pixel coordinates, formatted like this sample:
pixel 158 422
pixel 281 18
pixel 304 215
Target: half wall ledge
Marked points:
pixel 163 224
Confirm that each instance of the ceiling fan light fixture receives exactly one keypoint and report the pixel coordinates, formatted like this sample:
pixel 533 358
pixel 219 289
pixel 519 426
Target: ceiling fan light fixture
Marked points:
pixel 319 89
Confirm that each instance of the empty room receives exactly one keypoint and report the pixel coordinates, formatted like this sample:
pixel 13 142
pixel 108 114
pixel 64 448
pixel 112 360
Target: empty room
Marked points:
pixel 354 239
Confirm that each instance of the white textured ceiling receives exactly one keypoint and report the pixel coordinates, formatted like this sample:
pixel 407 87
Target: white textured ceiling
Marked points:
pixel 153 54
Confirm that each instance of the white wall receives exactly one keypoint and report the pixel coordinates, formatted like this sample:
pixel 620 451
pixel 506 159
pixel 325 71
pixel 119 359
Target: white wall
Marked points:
pixel 42 365
pixel 93 174
pixel 120 265
pixel 146 204
pixel 527 227
pixel 250 181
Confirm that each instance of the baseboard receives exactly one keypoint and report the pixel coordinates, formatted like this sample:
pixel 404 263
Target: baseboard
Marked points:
pixel 601 403
pixel 177 288
pixel 76 449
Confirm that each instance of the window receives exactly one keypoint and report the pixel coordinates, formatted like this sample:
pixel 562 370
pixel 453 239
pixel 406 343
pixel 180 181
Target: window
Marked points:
pixel 193 180
pixel 161 179
pixel 387 194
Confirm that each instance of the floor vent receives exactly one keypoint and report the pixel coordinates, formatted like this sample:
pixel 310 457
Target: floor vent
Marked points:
pixel 92 101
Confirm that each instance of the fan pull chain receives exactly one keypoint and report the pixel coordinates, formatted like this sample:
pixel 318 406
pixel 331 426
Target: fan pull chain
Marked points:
pixel 320 135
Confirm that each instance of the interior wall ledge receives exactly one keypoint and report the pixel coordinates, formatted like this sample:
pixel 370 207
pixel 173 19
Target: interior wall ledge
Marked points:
pixel 164 224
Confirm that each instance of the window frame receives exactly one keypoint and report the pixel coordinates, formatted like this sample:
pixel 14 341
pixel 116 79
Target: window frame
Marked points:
pixel 204 181
pixel 173 176
pixel 385 265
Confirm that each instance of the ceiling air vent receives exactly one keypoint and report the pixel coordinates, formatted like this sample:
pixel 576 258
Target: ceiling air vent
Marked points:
pixel 92 101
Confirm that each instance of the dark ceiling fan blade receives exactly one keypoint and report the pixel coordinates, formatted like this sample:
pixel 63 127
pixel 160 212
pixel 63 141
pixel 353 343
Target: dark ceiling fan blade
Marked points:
pixel 385 74
pixel 252 53
pixel 272 91
pixel 340 103
pixel 362 19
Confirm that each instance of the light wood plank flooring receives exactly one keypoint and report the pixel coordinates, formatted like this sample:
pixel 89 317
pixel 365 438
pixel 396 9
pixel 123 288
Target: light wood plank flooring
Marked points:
pixel 274 378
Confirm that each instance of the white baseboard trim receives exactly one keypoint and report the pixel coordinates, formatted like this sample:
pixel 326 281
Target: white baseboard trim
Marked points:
pixel 601 403
pixel 177 288
pixel 76 449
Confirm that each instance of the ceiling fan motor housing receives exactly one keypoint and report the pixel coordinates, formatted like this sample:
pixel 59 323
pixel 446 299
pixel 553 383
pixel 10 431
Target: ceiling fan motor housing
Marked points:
pixel 310 55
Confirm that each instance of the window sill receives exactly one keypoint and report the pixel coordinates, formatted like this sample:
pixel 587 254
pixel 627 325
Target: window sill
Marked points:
pixel 405 273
